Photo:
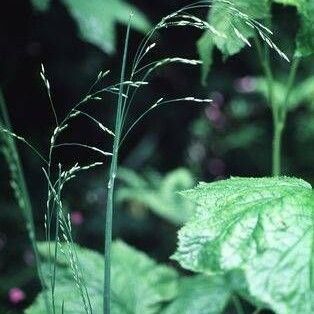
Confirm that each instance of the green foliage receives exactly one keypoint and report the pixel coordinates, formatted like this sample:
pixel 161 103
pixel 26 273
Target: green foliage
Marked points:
pixel 241 138
pixel 159 194
pixel 302 93
pixel 229 42
pixel 97 19
pixel 260 229
pixel 229 25
pixel 225 21
pixel 305 37
pixel 296 3
pixel 139 285
pixel 205 47
pixel 305 40
pixel 211 294
pixel 9 150
pixel 41 5
pixel 263 226
pixel 201 295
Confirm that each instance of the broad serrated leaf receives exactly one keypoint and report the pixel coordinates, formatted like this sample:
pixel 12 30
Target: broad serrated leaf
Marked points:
pixel 225 22
pixel 139 285
pixel 232 30
pixel 305 37
pixel 201 295
pixel 41 5
pixel 264 226
pixel 159 194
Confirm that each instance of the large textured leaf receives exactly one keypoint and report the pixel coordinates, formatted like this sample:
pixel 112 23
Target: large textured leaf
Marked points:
pixel 139 285
pixel 97 19
pixel 159 194
pixel 225 22
pixel 305 37
pixel 201 295
pixel 263 226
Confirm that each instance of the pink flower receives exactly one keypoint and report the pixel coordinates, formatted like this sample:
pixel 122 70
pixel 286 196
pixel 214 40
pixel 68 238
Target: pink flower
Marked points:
pixel 245 84
pixel 77 218
pixel 16 295
pixel 213 113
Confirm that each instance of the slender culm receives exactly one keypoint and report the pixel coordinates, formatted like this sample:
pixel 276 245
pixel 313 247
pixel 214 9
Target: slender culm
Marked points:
pixel 111 183
pixel 23 198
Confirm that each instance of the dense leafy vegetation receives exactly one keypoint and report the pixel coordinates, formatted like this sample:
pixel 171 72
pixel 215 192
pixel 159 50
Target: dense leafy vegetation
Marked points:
pixel 233 32
pixel 140 285
pixel 245 244
pixel 262 226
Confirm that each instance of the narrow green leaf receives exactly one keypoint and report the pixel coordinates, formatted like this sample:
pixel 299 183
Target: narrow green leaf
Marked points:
pixel 301 94
pixel 264 226
pixel 139 285
pixel 279 90
pixel 205 47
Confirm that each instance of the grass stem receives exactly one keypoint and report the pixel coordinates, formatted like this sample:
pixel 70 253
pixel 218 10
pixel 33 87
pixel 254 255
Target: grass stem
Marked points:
pixel 27 208
pixel 111 183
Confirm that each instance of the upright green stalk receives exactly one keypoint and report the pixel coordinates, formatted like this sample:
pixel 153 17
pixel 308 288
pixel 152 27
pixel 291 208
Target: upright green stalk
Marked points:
pixel 111 183
pixel 279 111
pixel 279 118
pixel 278 125
pixel 24 201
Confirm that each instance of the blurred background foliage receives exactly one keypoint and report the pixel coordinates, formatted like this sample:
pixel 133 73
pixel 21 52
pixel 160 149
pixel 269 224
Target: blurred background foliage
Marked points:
pixel 169 151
